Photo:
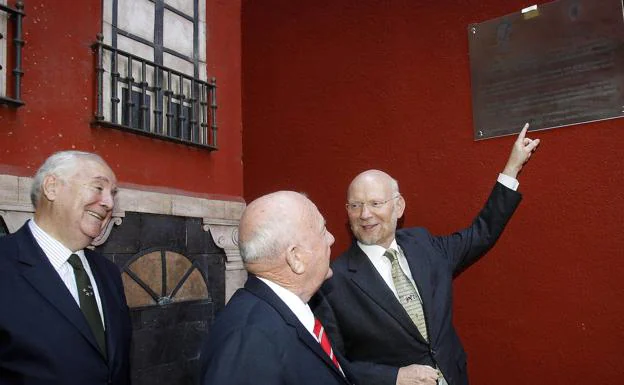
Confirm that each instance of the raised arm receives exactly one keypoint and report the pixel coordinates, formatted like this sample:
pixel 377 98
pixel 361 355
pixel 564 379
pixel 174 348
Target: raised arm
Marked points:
pixel 521 151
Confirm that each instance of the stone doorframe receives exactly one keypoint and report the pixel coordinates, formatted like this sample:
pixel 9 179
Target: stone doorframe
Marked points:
pixel 219 216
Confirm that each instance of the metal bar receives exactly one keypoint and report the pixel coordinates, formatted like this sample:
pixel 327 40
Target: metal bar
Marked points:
pixel 114 82
pixel 183 280
pixel 130 80
pixel 143 106
pixel 194 110
pixel 17 14
pixel 163 271
pixel 151 63
pixel 158 103
pixel 168 94
pixel 196 39
pixel 203 105
pixel 196 115
pixel 213 110
pixel 181 117
pixel 99 113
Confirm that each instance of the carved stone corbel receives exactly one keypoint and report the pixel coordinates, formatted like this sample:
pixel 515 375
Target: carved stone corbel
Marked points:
pixel 225 235
pixel 115 220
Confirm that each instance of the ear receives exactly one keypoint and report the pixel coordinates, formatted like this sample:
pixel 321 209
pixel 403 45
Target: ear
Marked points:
pixel 400 206
pixel 50 187
pixel 294 261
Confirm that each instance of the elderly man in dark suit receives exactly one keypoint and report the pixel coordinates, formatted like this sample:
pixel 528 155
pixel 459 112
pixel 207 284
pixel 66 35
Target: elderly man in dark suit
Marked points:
pixel 267 333
pixel 390 299
pixel 64 318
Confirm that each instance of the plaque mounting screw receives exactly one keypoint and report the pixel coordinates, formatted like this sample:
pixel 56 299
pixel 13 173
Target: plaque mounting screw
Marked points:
pixel 473 30
pixel 480 133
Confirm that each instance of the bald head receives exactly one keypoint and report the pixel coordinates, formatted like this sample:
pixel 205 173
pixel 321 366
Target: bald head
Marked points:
pixel 283 238
pixel 268 224
pixel 378 177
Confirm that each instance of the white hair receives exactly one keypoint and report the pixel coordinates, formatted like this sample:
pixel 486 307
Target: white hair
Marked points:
pixel 267 231
pixel 62 164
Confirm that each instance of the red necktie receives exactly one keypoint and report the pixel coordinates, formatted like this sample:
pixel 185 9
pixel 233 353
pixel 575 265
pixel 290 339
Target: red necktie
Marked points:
pixel 321 337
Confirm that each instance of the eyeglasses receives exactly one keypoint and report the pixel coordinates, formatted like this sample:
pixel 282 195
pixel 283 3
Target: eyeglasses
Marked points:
pixel 374 205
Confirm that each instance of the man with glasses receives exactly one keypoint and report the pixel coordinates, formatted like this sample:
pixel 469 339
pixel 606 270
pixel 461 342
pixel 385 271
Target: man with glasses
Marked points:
pixel 388 307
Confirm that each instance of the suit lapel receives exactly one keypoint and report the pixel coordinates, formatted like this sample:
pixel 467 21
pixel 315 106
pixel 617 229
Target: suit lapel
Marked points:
pixel 39 273
pixel 261 290
pixel 365 276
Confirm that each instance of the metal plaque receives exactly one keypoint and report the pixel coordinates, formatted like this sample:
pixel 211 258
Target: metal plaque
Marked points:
pixel 551 65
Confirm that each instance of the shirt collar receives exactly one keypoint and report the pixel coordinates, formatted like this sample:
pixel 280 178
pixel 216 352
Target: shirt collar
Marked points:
pixel 56 252
pixel 375 252
pixel 294 303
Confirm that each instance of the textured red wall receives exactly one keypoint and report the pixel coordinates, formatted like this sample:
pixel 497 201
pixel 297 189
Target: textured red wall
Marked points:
pixel 59 89
pixel 331 88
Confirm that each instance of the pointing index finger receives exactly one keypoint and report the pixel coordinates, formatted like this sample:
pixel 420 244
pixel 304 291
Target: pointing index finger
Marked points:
pixel 523 132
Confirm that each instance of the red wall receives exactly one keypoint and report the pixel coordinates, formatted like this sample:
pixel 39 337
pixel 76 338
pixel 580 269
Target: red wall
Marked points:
pixel 331 88
pixel 59 89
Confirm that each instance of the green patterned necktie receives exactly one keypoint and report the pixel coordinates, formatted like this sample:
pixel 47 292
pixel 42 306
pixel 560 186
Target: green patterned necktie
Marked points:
pixel 88 303
pixel 408 294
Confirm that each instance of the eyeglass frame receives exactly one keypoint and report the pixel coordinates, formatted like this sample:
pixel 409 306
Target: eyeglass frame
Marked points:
pixel 372 205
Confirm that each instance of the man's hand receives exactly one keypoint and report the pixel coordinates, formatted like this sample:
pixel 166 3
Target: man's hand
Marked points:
pixel 520 153
pixel 417 375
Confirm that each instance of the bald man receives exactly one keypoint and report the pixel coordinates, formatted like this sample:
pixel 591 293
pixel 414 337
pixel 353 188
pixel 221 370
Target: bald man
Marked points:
pixel 267 333
pixel 390 299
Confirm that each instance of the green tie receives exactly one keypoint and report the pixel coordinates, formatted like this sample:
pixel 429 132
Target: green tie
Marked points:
pixel 408 294
pixel 88 304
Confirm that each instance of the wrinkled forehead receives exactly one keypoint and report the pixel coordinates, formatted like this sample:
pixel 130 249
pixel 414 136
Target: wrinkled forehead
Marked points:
pixel 92 170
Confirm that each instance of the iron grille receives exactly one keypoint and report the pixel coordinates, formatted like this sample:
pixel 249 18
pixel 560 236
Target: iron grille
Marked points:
pixel 140 96
pixel 15 16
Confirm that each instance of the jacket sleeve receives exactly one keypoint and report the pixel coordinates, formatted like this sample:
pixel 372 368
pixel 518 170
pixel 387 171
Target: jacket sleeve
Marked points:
pixel 465 247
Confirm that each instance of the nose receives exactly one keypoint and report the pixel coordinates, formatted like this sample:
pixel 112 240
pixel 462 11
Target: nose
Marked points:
pixel 108 200
pixel 365 212
pixel 331 237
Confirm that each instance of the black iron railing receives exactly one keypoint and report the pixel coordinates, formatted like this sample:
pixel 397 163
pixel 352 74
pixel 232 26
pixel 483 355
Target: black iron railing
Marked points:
pixel 15 17
pixel 140 96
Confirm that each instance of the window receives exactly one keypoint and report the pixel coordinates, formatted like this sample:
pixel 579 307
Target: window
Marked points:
pixel 11 42
pixel 152 71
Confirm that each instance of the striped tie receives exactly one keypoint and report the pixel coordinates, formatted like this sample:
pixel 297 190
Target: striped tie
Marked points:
pixel 321 337
pixel 408 294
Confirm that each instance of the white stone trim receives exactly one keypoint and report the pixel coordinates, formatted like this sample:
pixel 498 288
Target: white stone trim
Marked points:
pixel 220 217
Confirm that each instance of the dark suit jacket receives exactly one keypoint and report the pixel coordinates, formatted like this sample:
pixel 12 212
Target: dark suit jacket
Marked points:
pixel 44 337
pixel 369 325
pixel 257 339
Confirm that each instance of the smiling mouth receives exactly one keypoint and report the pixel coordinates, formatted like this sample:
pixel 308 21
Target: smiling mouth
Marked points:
pixel 368 227
pixel 96 215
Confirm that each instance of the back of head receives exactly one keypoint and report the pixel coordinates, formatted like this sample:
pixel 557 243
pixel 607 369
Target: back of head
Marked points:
pixel 267 225
pixel 63 164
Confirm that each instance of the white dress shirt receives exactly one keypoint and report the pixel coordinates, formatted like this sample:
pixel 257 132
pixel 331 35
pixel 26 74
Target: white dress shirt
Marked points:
pixel 295 304
pixel 383 265
pixel 58 255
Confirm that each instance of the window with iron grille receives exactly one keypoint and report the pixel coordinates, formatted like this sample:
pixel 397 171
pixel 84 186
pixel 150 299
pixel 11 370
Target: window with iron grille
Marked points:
pixel 11 43
pixel 151 71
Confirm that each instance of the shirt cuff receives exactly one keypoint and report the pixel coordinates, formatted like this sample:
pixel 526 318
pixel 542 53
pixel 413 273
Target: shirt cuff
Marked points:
pixel 509 182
